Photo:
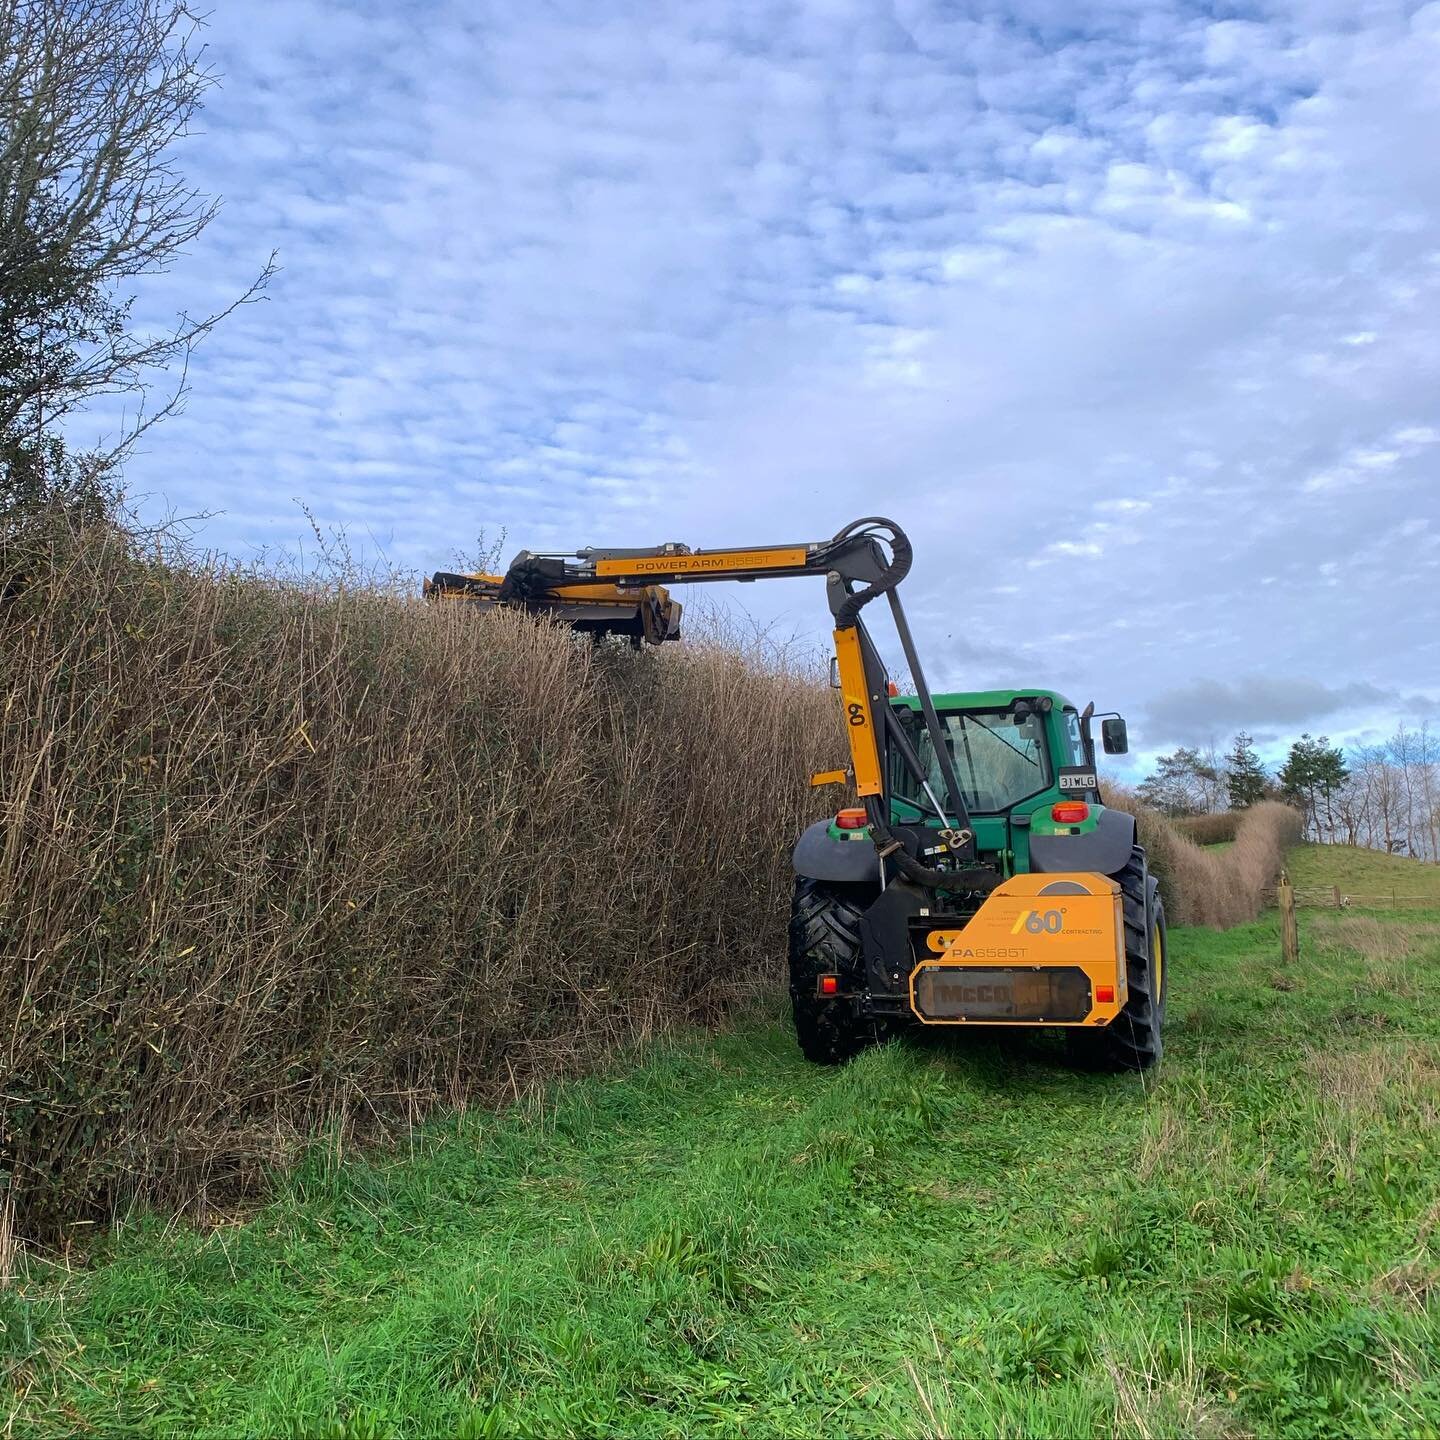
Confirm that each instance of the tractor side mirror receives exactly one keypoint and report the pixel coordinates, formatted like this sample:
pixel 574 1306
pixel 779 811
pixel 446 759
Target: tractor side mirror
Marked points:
pixel 1114 737
pixel 834 672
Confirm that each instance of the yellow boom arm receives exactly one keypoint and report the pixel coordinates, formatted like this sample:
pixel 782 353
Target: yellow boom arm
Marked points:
pixel 623 592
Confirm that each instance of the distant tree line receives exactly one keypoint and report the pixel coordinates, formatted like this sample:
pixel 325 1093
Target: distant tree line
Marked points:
pixel 1384 796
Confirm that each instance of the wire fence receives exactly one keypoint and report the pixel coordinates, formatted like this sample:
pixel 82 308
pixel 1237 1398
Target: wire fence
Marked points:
pixel 1332 897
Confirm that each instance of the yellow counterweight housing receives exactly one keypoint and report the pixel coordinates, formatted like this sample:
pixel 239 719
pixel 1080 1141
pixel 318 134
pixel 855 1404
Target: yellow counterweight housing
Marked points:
pixel 1041 950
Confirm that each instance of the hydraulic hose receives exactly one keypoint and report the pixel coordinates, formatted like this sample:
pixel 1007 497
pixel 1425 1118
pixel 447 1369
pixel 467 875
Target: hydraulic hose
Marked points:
pixel 976 878
pixel 901 555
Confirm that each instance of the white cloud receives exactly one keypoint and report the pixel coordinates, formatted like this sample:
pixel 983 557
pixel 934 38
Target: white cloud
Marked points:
pixel 1117 308
pixel 1061 549
pixel 1416 435
pixel 1376 459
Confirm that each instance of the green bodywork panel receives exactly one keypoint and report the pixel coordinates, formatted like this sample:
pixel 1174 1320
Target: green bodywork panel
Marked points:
pixel 985 699
pixel 995 834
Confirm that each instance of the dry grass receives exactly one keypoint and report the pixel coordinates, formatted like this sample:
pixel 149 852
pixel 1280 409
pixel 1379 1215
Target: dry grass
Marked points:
pixel 1358 1093
pixel 1370 937
pixel 9 1243
pixel 1162 1391
pixel 1175 1141
pixel 1414 1284
pixel 277 858
pixel 1364 1084
pixel 1396 957
pixel 1209 887
pixel 1364 935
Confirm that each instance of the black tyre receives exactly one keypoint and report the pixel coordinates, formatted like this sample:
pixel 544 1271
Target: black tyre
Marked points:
pixel 825 940
pixel 1132 1041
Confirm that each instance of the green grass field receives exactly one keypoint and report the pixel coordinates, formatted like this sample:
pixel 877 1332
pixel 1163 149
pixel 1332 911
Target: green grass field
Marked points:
pixel 1364 872
pixel 945 1238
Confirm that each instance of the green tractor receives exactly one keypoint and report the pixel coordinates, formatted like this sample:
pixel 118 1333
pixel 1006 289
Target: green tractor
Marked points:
pixel 1073 935
pixel 980 880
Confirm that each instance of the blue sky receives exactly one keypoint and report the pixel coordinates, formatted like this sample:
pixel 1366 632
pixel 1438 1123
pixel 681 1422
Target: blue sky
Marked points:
pixel 1129 312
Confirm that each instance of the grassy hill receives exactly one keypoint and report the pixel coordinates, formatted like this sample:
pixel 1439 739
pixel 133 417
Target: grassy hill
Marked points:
pixel 1364 873
pixel 944 1238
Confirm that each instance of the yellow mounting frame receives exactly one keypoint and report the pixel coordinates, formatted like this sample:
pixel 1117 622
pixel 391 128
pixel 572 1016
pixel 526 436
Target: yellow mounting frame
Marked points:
pixel 858 716
pixel 1039 921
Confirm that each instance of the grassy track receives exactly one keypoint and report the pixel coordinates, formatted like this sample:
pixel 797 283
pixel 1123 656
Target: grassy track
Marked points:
pixel 942 1238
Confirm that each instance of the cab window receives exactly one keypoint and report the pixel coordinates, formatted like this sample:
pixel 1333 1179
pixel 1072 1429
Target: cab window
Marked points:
pixel 999 759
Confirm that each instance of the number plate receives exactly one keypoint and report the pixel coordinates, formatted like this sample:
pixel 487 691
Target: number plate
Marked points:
pixel 968 992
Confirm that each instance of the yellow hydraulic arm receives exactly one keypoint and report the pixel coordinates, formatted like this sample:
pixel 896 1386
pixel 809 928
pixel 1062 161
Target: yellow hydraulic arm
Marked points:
pixel 623 592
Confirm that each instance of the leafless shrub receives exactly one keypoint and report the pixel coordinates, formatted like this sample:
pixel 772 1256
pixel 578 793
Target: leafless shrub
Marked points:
pixel 277 856
pixel 1211 829
pixel 1208 887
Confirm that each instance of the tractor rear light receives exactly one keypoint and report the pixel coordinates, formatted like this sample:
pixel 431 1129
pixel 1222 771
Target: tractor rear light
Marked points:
pixel 1104 994
pixel 1069 812
pixel 851 820
pixel 829 984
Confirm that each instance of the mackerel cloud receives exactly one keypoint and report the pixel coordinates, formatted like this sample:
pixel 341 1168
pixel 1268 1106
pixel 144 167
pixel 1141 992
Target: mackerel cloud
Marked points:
pixel 1127 312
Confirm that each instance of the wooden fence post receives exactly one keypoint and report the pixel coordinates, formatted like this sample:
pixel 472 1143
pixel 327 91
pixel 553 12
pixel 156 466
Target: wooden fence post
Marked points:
pixel 1289 928
pixel 1335 892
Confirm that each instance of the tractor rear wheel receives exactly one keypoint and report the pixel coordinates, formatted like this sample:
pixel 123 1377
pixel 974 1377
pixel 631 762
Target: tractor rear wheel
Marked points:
pixel 825 940
pixel 1132 1041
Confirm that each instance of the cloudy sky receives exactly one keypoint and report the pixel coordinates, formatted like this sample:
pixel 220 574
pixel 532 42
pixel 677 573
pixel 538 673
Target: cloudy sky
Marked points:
pixel 1129 312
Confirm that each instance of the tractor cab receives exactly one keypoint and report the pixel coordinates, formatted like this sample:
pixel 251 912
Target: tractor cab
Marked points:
pixel 1024 760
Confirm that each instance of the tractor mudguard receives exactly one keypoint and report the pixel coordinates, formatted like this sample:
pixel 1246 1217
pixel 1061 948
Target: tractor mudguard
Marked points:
pixel 819 856
pixel 1105 850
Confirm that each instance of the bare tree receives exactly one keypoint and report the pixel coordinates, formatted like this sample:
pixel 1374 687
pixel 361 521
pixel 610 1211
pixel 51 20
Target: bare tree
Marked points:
pixel 1374 795
pixel 94 94
pixel 1212 776
pixel 1414 751
pixel 1429 757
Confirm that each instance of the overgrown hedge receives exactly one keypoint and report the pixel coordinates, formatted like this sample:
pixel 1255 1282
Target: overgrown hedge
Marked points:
pixel 1216 829
pixel 275 858
pixel 1214 887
